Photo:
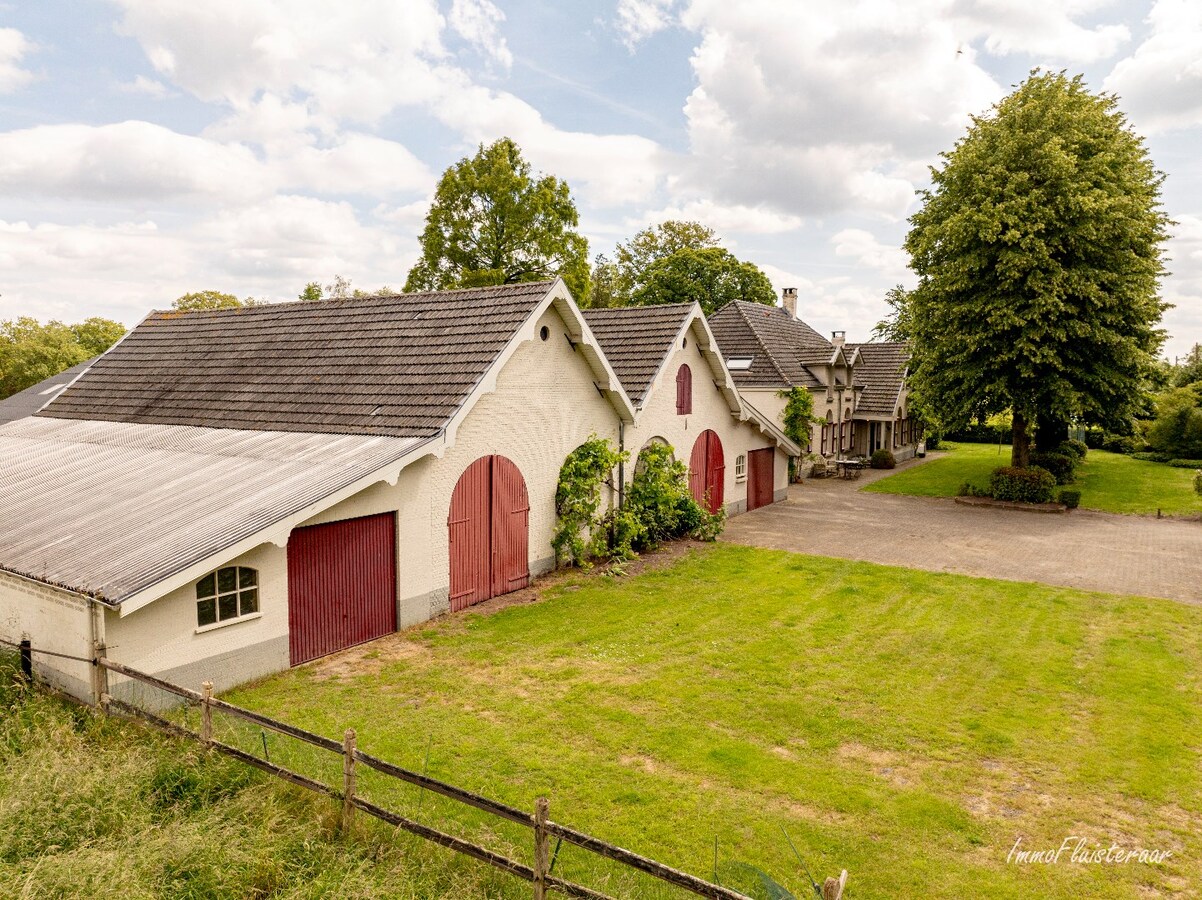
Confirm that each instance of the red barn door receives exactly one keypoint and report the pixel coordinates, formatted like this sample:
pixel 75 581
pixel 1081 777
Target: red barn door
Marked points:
pixel 707 471
pixel 488 531
pixel 341 585
pixel 760 477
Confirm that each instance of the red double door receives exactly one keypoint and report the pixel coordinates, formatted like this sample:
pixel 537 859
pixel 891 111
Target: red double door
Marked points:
pixel 342 582
pixel 707 471
pixel 488 527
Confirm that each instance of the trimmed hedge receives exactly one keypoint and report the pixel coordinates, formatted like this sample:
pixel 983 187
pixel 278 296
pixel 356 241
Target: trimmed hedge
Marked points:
pixel 1071 499
pixel 1031 485
pixel 976 434
pixel 1186 463
pixel 1120 443
pixel 883 459
pixel 1151 456
pixel 1073 447
pixel 1061 465
pixel 1198 482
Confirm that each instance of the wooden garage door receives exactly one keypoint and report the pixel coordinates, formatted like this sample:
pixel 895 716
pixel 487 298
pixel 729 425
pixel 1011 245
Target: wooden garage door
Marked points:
pixel 488 532
pixel 707 471
pixel 341 585
pixel 760 477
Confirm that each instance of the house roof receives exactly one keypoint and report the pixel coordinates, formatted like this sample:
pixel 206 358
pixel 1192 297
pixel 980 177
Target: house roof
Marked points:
pixel 396 366
pixel 637 339
pixel 108 509
pixel 882 370
pixel 32 399
pixel 780 346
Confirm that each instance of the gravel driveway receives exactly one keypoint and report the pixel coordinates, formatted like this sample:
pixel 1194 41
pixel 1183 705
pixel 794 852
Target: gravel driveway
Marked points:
pixel 1081 549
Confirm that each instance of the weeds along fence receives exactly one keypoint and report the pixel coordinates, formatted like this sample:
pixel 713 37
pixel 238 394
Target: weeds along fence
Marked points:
pixel 341 768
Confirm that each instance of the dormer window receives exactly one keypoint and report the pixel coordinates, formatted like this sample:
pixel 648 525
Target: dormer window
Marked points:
pixel 684 391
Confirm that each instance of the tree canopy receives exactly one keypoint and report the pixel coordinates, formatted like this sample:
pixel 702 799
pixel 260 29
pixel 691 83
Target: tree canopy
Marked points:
pixel 209 300
pixel 712 277
pixel 492 222
pixel 634 258
pixel 1039 251
pixel 31 352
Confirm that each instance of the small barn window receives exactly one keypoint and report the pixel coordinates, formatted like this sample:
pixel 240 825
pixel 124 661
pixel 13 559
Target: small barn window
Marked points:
pixel 544 333
pixel 229 593
pixel 684 391
pixel 740 468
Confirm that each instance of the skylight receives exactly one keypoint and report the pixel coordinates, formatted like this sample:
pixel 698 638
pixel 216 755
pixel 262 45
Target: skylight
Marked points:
pixel 739 363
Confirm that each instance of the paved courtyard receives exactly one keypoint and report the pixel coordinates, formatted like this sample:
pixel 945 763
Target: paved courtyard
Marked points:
pixel 1081 549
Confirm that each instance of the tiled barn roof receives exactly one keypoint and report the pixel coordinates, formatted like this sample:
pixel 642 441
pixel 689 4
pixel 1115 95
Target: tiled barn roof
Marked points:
pixel 636 339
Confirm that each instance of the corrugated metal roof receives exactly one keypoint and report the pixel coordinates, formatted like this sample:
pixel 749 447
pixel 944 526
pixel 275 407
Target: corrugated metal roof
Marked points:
pixel 29 401
pixel 109 509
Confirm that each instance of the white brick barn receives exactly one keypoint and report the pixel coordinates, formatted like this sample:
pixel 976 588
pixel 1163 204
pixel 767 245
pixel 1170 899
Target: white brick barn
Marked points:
pixel 228 493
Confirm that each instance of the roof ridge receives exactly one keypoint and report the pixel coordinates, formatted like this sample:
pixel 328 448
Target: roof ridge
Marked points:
pixel 756 335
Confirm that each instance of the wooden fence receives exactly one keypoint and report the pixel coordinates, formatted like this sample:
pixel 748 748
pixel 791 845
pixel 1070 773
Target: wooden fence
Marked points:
pixel 543 828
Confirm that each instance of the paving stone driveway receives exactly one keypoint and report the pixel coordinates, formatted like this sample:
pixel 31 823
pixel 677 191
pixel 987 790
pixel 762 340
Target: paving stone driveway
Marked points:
pixel 1081 549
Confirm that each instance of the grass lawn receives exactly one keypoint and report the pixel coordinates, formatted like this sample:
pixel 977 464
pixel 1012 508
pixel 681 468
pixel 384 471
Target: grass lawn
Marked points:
pixel 908 726
pixel 1111 482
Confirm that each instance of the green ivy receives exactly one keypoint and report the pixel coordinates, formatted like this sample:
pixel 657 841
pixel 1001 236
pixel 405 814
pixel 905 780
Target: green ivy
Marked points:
pixel 798 417
pixel 581 530
pixel 660 501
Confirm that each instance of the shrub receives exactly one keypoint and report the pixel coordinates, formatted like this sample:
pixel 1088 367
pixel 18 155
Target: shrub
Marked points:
pixel 582 530
pixel 1186 463
pixel 1198 482
pixel 933 441
pixel 1071 499
pixel 968 489
pixel 883 459
pixel 660 503
pixel 1151 456
pixel 977 433
pixel 1120 443
pixel 1061 465
pixel 1073 447
pixel 1031 485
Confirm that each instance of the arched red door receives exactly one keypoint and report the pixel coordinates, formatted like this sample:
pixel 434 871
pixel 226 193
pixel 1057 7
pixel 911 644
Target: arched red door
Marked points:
pixel 707 471
pixel 488 530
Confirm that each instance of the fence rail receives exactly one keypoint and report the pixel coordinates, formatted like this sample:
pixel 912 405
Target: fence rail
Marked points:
pixel 543 829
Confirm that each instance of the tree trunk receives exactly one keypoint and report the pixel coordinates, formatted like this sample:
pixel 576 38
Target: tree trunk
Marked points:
pixel 1020 442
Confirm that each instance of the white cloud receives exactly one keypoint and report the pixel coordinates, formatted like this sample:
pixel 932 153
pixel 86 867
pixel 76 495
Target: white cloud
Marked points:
pixel 723 219
pixel 1044 28
pixel 127 162
pixel 1161 83
pixel 146 86
pixel 637 20
pixel 356 164
pixel 13 48
pixel 478 22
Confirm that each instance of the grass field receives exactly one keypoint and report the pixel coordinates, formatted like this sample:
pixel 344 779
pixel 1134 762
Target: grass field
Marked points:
pixel 1110 482
pixel 907 726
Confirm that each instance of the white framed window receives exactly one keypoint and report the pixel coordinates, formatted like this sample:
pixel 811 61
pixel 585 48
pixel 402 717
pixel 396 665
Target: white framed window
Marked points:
pixel 225 595
pixel 740 468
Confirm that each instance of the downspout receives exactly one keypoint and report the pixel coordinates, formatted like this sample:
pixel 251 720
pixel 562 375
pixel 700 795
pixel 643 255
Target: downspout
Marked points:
pixel 621 464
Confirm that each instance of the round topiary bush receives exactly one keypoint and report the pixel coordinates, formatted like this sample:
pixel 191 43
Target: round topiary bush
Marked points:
pixel 1071 499
pixel 1073 448
pixel 1061 465
pixel 883 459
pixel 1030 485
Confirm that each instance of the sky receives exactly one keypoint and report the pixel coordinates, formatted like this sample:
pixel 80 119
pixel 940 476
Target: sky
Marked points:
pixel 149 148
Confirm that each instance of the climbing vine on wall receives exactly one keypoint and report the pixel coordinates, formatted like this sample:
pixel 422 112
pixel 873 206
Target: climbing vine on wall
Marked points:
pixel 660 501
pixel 580 531
pixel 798 417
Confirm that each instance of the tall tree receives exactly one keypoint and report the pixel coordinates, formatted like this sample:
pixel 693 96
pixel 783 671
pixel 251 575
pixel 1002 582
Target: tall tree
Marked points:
pixel 492 222
pixel 31 352
pixel 209 300
pixel 634 258
pixel 1039 251
pixel 712 277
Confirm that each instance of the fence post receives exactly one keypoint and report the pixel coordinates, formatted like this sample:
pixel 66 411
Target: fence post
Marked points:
pixel 348 778
pixel 206 713
pixel 542 849
pixel 99 654
pixel 27 660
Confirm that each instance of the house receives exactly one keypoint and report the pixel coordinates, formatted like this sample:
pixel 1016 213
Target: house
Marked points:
pixel 683 395
pixel 32 399
pixel 227 493
pixel 858 390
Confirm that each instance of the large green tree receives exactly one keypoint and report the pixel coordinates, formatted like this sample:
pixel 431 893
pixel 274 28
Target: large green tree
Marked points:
pixel 712 277
pixel 634 258
pixel 492 222
pixel 31 352
pixel 198 300
pixel 1039 250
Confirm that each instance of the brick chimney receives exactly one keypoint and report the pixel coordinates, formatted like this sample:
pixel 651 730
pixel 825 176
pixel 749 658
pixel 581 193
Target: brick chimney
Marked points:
pixel 838 338
pixel 789 299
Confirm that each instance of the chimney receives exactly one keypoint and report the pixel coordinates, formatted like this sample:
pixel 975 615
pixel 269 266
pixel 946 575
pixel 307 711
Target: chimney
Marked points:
pixel 838 338
pixel 789 299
